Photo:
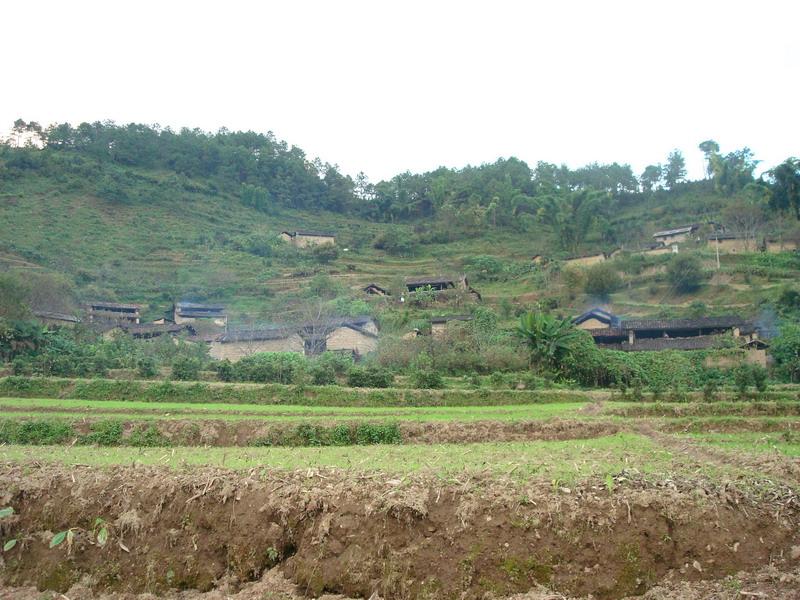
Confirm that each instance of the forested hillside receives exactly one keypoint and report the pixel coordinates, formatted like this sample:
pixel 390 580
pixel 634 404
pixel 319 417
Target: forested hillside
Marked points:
pixel 146 214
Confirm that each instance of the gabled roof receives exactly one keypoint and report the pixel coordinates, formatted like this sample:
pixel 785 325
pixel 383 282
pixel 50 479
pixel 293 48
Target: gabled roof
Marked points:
pixel 309 233
pixel 676 231
pixel 141 329
pixel 252 335
pixel 56 316
pixel 106 305
pixel 441 279
pixel 195 306
pixel 194 310
pixel 601 315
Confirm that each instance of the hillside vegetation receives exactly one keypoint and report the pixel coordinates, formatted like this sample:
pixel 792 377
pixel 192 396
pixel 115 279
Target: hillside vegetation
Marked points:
pixel 141 214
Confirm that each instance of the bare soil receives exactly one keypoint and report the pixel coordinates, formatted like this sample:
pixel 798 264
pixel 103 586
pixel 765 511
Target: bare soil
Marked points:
pixel 338 532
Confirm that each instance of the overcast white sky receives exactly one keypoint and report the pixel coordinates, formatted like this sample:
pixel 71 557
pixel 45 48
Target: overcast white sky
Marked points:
pixel 385 87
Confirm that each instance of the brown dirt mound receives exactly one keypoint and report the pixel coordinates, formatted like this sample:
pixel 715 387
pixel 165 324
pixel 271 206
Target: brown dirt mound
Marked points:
pixel 417 537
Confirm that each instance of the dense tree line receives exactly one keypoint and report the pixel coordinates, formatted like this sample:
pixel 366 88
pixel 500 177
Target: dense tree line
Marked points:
pixel 264 172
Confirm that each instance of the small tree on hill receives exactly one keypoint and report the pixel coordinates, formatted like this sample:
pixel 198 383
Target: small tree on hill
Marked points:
pixel 685 273
pixel 601 280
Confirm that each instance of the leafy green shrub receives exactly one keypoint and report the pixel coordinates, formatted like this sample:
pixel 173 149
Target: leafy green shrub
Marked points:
pixel 372 376
pixel 147 437
pixel 34 432
pixel 103 433
pixel 325 253
pixel 270 367
pixel 602 280
pixel 685 273
pixel 427 379
pixel 378 433
pixel 322 374
pixel 186 368
pixel 146 367
pixel 498 379
pixel 225 370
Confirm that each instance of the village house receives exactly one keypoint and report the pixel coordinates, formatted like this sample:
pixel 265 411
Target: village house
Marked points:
pixel 56 319
pixel 439 325
pixel 646 335
pixel 192 313
pixel 732 243
pixel 240 344
pixel 441 284
pixel 113 312
pixel 356 336
pixel 302 239
pixel 675 236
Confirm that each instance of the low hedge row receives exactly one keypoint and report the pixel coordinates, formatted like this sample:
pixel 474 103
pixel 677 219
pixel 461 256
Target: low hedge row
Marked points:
pixel 166 391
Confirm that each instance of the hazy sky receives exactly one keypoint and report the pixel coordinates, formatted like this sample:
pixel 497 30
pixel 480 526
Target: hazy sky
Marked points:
pixel 385 87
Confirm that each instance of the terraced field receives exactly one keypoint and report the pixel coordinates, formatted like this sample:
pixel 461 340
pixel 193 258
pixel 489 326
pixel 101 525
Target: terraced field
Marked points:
pixel 567 496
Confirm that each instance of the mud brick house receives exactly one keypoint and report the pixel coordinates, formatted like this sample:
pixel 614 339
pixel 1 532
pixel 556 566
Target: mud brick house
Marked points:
pixel 239 344
pixel 192 313
pixel 355 336
pixel 56 319
pixel 302 239
pixel 585 260
pixel 439 324
pixel 441 284
pixel 676 235
pixel 732 243
pixel 113 312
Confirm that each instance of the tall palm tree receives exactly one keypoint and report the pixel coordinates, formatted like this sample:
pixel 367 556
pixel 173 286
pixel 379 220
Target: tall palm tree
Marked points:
pixel 550 340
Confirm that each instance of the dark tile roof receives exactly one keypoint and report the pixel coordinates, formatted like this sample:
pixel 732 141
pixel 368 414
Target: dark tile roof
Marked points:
pixel 142 329
pixel 676 230
pixel 196 306
pixel 447 318
pixel 252 335
pixel 723 322
pixel 112 305
pixel 313 233
pixel 431 280
pixel 375 286
pixel 699 342
pixel 56 316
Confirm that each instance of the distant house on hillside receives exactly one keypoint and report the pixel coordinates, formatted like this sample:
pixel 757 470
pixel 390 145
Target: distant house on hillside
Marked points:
pixel 441 284
pixel 302 239
pixel 113 312
pixel 56 319
pixel 190 312
pixel 734 243
pixel 676 235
